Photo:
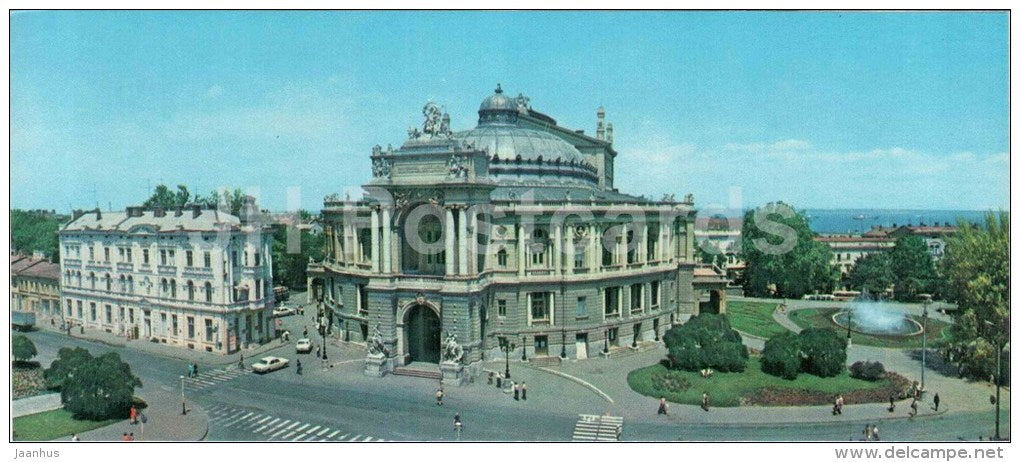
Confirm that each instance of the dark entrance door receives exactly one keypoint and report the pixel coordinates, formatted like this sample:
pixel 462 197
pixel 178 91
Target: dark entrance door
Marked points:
pixel 423 335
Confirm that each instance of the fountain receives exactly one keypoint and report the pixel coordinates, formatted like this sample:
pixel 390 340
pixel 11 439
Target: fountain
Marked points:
pixel 875 317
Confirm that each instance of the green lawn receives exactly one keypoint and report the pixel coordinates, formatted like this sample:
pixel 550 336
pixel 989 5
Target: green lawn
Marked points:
pixel 729 389
pixel 938 331
pixel 50 425
pixel 754 318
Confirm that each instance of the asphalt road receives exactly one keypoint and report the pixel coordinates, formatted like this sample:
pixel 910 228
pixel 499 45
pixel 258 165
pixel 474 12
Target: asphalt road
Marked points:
pixel 408 412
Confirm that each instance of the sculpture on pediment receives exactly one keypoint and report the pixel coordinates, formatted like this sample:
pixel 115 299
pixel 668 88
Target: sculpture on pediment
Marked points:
pixel 523 103
pixel 456 166
pixel 334 197
pixel 381 167
pixel 689 198
pixel 400 198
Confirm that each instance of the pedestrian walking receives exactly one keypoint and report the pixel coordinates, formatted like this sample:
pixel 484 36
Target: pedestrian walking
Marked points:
pixel 517 391
pixel 298 366
pixel 124 437
pixel 936 401
pixel 867 432
pixel 704 401
pixel 913 407
pixel 524 390
pixel 457 424
pixel 439 397
pixel 74 437
pixel 196 369
pixel 316 351
pixel 892 403
pixel 491 375
pixel 134 415
pixel 874 432
pixel 662 406
pixel 837 407
pixel 306 332
pixel 240 362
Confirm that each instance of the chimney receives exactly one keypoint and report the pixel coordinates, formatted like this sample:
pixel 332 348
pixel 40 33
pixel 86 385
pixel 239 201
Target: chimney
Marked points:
pixel 99 214
pixel 134 212
pixel 178 211
pixel 600 131
pixel 196 210
pixel 158 212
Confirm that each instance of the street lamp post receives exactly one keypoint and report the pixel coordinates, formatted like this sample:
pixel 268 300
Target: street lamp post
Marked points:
pixel 998 380
pixel 605 349
pixel 563 350
pixel 924 339
pixel 524 348
pixel 322 330
pixel 506 347
pixel 184 408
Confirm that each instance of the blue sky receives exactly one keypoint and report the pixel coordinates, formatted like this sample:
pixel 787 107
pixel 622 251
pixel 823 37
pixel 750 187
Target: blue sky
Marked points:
pixel 821 110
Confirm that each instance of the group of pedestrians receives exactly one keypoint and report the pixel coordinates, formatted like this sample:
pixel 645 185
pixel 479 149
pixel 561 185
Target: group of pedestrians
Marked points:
pixel 126 437
pixel 192 370
pixel 520 389
pixel 871 432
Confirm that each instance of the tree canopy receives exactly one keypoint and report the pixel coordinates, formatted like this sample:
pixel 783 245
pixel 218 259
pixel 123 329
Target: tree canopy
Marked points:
pixel 706 340
pixel 873 273
pixel 100 388
pixel 36 230
pixel 780 251
pixel 975 271
pixel 164 197
pixel 22 348
pixel 912 267
pixel 291 268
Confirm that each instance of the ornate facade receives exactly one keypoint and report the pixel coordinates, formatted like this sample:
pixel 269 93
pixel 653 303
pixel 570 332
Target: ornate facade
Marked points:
pixel 508 234
pixel 193 278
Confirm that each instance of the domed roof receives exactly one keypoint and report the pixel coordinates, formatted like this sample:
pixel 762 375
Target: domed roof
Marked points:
pixel 498 102
pixel 509 141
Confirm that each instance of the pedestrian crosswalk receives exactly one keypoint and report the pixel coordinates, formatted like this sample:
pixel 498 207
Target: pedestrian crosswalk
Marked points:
pixel 206 379
pixel 267 427
pixel 598 428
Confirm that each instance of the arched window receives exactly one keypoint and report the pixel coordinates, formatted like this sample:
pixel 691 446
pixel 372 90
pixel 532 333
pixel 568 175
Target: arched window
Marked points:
pixel 191 291
pixel 92 279
pixel 123 284
pixel 501 258
pixel 173 288
pixel 164 287
pixel 108 282
pixel 208 292
pixel 130 284
pixel 78 276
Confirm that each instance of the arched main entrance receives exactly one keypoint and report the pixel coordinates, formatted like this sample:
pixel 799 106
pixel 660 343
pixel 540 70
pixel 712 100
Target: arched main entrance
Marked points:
pixel 423 333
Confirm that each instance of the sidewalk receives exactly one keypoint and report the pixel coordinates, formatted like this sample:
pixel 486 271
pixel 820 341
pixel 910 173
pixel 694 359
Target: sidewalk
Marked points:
pixel 164 421
pixel 35 404
pixel 184 354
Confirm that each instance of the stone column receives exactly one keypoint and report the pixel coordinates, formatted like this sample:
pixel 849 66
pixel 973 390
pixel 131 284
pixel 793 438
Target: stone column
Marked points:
pixel 473 244
pixel 557 250
pixel 623 246
pixel 660 249
pixel 521 251
pixel 374 242
pixel 569 251
pixel 387 265
pixel 462 248
pixel 596 245
pixel 642 256
pixel 448 233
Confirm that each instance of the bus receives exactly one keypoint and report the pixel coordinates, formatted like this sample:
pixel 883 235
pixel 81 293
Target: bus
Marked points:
pixel 282 293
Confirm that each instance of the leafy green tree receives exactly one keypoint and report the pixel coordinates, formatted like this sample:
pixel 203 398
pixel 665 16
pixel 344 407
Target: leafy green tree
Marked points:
pixel 68 362
pixel 232 201
pixel 781 356
pixel 36 230
pixel 823 352
pixel 100 388
pixel 22 348
pixel 912 267
pixel 780 251
pixel 291 268
pixel 873 273
pixel 975 271
pixel 706 340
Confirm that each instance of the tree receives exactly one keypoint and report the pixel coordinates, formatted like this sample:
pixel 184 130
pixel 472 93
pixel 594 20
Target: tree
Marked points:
pixel 823 352
pixel 36 230
pixel 706 340
pixel 912 267
pixel 291 269
pixel 873 273
pixel 781 356
pixel 22 348
pixel 780 251
pixel 975 271
pixel 68 362
pixel 101 388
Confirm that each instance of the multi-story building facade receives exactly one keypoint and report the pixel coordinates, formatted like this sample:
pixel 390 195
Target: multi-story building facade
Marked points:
pixel 191 277
pixel 35 287
pixel 507 235
pixel 847 249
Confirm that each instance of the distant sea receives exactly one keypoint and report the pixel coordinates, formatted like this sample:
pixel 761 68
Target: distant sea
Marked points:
pixel 857 221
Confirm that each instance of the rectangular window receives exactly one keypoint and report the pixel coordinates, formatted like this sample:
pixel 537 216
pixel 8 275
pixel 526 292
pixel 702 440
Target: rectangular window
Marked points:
pixel 109 314
pixel 92 311
pixel 539 306
pixel 131 315
pixel 579 257
pixel 170 257
pixel 501 308
pixel 188 257
pixel 257 259
pixel 145 256
pixel 582 307
pixel 363 298
pixel 611 300
pixel 173 320
pixel 501 258
pixel 162 256
pixel 120 314
pixel 106 254
pixel 122 254
pixel 191 327
pixel 208 330
pixel 70 308
pixel 636 297
pixel 245 258
pixel 233 257
pixel 207 257
pixel 129 255
pixel 654 294
pixel 80 314
pixel 614 336
pixel 92 253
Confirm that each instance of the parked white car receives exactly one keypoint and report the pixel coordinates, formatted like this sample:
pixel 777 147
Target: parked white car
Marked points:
pixel 303 346
pixel 284 311
pixel 269 364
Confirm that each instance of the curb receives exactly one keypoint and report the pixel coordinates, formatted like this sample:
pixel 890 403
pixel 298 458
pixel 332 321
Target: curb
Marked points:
pixel 820 422
pixel 576 380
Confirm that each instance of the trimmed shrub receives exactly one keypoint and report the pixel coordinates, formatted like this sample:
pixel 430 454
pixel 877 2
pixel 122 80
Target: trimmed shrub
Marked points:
pixel 823 352
pixel 781 356
pixel 100 388
pixel 867 370
pixel 706 341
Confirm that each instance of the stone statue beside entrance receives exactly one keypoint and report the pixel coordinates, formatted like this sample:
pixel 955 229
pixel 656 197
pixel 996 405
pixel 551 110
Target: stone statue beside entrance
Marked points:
pixel 377 364
pixel 452 365
pixel 376 347
pixel 452 351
